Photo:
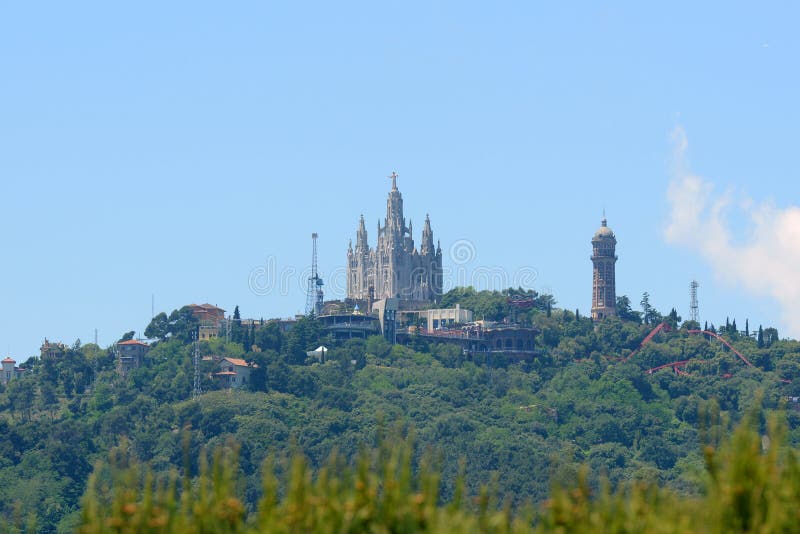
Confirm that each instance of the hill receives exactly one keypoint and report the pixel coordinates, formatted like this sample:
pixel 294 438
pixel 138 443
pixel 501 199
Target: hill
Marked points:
pixel 525 425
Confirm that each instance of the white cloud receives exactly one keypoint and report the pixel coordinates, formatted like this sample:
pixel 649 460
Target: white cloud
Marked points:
pixel 765 263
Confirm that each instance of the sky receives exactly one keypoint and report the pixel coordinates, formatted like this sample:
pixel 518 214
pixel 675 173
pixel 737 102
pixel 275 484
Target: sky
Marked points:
pixel 156 154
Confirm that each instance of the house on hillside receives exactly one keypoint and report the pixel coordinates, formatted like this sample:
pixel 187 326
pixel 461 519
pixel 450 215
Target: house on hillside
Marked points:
pixel 10 371
pixel 130 355
pixel 233 372
pixel 210 317
pixel 52 351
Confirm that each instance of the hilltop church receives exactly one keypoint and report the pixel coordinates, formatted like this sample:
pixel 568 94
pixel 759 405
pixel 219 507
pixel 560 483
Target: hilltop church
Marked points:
pixel 394 268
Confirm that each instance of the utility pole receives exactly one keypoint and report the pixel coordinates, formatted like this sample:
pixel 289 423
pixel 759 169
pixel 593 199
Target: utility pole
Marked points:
pixel 196 390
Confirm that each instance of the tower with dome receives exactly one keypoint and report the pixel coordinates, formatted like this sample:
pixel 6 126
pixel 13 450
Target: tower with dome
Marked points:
pixel 604 259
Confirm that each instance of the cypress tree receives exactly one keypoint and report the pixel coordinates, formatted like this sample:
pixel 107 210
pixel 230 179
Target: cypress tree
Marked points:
pixel 236 327
pixel 760 337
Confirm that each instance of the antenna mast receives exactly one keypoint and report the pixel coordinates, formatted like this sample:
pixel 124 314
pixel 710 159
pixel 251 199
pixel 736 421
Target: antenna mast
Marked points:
pixel 694 306
pixel 196 390
pixel 314 295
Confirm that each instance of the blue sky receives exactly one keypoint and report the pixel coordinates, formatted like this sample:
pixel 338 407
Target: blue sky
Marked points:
pixel 186 150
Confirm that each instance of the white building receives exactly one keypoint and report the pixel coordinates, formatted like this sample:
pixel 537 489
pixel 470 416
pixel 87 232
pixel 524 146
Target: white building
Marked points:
pixel 233 372
pixel 446 317
pixel 10 371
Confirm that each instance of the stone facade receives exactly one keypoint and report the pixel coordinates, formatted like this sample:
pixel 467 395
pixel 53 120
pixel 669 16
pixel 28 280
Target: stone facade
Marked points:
pixel 604 259
pixel 394 268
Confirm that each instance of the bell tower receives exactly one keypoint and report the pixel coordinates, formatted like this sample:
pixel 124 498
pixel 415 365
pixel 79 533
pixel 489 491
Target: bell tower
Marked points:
pixel 604 259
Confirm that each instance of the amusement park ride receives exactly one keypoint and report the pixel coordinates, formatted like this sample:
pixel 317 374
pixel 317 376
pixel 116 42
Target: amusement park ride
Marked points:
pixel 677 366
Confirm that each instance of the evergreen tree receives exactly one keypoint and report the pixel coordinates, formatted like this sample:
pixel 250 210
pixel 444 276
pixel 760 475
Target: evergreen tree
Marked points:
pixel 158 327
pixel 236 326
pixel 673 319
pixel 760 339
pixel 747 327
pixel 625 312
pixel 647 309
pixel 770 336
pixel 246 339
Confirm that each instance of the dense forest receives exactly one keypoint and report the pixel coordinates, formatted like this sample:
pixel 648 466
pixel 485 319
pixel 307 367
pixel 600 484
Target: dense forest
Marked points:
pixel 584 403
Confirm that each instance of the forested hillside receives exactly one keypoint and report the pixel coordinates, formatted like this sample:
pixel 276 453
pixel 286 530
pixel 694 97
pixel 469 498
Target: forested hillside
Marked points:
pixel 524 425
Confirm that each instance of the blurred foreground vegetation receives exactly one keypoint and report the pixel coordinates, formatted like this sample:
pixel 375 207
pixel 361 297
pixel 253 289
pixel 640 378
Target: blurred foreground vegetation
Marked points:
pixel 751 484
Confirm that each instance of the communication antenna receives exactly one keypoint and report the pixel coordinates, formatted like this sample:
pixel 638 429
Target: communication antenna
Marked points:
pixel 95 336
pixel 314 295
pixel 196 390
pixel 694 306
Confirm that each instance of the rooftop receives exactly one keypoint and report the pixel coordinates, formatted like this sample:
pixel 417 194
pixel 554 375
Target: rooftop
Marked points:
pixel 206 306
pixel 237 361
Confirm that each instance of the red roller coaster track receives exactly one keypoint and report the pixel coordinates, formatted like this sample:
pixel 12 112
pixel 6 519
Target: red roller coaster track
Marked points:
pixel 724 341
pixel 664 327
pixel 677 365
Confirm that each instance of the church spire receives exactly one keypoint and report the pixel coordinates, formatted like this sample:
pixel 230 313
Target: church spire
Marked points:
pixel 427 237
pixel 361 237
pixel 395 223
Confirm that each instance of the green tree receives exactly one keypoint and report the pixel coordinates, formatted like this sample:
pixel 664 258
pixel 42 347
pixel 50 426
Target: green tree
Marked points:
pixel 21 396
pixel 236 326
pixel 673 319
pixel 158 327
pixel 269 337
pixel 647 309
pixel 770 336
pixel 625 312
pixel 306 335
pixel 183 324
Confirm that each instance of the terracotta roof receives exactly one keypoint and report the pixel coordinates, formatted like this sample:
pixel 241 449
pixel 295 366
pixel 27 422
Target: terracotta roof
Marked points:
pixel 206 306
pixel 132 342
pixel 237 361
pixel 9 360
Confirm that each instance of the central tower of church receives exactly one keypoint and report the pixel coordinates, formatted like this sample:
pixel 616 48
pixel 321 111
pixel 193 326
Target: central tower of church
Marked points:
pixel 394 268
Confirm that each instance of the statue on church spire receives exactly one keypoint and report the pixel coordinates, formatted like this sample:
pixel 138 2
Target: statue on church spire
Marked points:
pixel 394 176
